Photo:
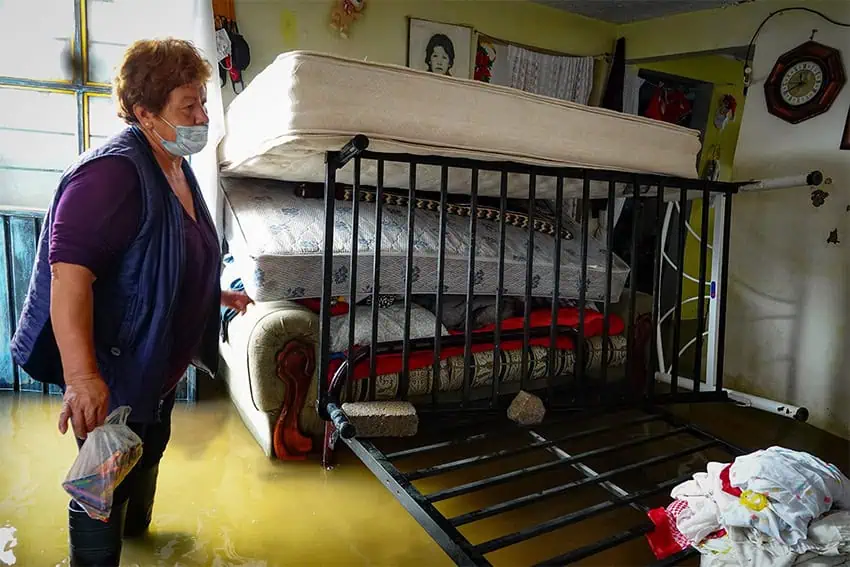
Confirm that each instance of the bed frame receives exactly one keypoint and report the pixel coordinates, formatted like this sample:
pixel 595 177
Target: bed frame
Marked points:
pixel 452 423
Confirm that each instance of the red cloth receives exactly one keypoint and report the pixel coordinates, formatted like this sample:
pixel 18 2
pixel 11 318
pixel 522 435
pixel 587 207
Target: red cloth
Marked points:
pixel 667 540
pixel 567 317
pixel 726 483
pixel 668 105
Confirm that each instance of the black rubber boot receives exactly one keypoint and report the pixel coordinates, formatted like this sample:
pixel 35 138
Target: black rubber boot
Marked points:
pixel 94 543
pixel 140 502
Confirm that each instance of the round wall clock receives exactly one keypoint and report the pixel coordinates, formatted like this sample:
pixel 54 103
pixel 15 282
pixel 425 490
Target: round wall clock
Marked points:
pixel 804 82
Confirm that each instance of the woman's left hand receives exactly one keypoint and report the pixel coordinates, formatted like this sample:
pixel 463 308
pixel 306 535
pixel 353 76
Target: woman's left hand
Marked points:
pixel 236 300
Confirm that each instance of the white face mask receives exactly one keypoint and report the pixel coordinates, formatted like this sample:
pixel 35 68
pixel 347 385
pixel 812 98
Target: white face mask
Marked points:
pixel 189 139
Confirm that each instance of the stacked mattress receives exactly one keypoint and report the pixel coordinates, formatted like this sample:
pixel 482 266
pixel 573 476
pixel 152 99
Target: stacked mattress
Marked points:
pixel 305 104
pixel 276 239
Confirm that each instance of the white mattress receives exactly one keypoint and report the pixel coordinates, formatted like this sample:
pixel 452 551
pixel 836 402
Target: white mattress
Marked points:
pixel 276 239
pixel 305 104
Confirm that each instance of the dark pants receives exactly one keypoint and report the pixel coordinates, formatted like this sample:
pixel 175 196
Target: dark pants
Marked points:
pixel 96 543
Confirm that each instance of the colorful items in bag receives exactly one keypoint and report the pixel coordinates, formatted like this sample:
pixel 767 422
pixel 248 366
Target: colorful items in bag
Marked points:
pixel 94 492
pixel 109 453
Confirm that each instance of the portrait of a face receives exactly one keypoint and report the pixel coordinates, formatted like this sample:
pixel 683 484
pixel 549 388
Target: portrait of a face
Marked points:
pixel 442 49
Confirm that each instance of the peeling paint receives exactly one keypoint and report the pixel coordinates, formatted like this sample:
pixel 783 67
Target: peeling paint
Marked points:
pixel 819 197
pixel 833 237
pixel 7 543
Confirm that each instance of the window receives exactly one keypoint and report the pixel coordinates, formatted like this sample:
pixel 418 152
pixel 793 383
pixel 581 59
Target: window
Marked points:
pixel 52 112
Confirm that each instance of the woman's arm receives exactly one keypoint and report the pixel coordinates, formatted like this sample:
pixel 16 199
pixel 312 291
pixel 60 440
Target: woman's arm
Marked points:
pixel 95 220
pixel 71 312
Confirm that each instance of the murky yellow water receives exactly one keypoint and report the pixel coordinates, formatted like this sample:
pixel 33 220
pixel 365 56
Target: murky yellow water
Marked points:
pixel 222 502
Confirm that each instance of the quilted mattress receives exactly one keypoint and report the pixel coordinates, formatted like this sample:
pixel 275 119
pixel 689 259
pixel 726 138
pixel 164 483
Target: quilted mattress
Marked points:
pixel 276 239
pixel 306 103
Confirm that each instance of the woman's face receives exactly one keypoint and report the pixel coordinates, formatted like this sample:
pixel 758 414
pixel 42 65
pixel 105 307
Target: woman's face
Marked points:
pixel 440 62
pixel 186 106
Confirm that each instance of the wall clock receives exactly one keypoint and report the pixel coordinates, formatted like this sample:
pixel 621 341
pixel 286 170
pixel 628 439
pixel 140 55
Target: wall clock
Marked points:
pixel 804 82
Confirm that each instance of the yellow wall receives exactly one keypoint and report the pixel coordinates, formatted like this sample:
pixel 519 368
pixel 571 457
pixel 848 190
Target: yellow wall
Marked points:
pixel 726 75
pixel 274 26
pixel 709 30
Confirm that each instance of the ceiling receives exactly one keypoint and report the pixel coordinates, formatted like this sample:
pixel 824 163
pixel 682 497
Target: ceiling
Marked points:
pixel 625 11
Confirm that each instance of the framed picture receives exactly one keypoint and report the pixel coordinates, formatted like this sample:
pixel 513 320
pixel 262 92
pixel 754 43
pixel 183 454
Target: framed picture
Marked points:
pixel 440 48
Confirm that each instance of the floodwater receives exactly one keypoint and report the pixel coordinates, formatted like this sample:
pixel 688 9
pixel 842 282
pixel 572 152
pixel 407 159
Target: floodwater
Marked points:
pixel 221 502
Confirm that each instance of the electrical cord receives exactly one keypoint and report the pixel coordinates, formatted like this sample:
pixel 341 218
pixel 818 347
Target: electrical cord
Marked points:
pixel 748 70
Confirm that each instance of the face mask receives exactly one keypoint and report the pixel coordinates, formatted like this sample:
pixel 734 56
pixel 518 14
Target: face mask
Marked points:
pixel 189 140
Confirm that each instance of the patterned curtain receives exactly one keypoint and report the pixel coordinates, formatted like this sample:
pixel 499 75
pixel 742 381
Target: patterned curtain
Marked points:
pixel 557 76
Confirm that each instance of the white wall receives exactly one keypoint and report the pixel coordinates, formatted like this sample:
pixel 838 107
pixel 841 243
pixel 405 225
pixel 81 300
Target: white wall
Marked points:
pixel 789 313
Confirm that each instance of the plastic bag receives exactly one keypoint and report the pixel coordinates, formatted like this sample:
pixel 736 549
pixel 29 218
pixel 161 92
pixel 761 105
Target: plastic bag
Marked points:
pixel 109 453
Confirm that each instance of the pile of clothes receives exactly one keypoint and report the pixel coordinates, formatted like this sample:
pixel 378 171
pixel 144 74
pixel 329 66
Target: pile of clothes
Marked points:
pixel 775 507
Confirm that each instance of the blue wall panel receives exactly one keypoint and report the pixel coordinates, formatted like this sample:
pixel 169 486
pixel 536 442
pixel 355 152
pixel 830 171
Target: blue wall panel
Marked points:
pixel 18 243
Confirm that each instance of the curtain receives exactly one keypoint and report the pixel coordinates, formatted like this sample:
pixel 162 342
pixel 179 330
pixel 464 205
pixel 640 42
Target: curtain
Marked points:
pixel 557 76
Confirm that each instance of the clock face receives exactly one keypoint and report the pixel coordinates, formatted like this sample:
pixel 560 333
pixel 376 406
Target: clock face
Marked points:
pixel 801 83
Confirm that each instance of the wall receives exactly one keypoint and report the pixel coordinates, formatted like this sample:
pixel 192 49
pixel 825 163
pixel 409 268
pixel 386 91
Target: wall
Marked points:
pixel 788 307
pixel 726 76
pixel 275 26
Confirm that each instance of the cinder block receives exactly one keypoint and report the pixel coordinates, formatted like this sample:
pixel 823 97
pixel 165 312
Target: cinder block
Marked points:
pixel 526 409
pixel 382 419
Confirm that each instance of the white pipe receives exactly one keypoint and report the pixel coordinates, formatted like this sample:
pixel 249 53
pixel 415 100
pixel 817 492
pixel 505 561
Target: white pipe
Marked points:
pixel 813 178
pixel 745 400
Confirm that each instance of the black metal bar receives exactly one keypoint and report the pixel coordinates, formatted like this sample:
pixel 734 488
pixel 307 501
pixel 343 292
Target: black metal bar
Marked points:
pixel 556 290
pixel 352 288
pixel 650 180
pixel 575 517
pixel 501 454
pixel 481 484
pixel 404 376
pixel 528 499
pixel 680 271
pixel 447 536
pixel 609 261
pixel 529 271
pixel 637 211
pixel 599 546
pixel 470 285
pixel 703 260
pixel 497 342
pixel 376 277
pixel 724 292
pixel 441 274
pixel 657 264
pixel 331 165
pixel 581 363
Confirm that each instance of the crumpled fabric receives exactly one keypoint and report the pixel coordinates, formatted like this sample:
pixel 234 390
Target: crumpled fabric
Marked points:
pixel 829 540
pixel 705 497
pixel 782 491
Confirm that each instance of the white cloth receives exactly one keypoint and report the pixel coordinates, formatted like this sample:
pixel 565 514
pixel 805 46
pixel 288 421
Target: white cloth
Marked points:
pixel 829 540
pixel 784 491
pixel 704 496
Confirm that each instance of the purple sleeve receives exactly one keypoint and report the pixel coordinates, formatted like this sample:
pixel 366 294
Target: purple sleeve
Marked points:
pixel 98 214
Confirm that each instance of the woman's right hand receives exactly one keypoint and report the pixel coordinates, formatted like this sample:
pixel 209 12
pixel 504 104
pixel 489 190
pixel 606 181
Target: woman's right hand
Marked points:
pixel 86 403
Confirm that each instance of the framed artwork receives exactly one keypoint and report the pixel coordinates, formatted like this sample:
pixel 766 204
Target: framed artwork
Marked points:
pixel 440 48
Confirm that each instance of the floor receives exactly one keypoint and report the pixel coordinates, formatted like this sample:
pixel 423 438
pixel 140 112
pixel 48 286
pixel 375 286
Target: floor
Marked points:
pixel 222 503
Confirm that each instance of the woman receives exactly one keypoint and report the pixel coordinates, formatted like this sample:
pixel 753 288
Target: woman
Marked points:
pixel 440 54
pixel 125 293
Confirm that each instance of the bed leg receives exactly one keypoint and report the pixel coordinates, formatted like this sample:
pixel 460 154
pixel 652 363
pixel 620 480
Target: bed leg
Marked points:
pixel 329 440
pixel 296 364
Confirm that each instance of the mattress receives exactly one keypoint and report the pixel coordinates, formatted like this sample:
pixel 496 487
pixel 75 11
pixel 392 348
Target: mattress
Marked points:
pixel 276 239
pixel 306 103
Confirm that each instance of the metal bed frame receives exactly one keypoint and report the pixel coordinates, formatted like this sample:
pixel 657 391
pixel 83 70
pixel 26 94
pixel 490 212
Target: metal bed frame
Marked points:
pixel 451 424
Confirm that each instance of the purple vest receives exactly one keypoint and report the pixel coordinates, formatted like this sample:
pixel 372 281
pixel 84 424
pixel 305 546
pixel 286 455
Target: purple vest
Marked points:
pixel 133 303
